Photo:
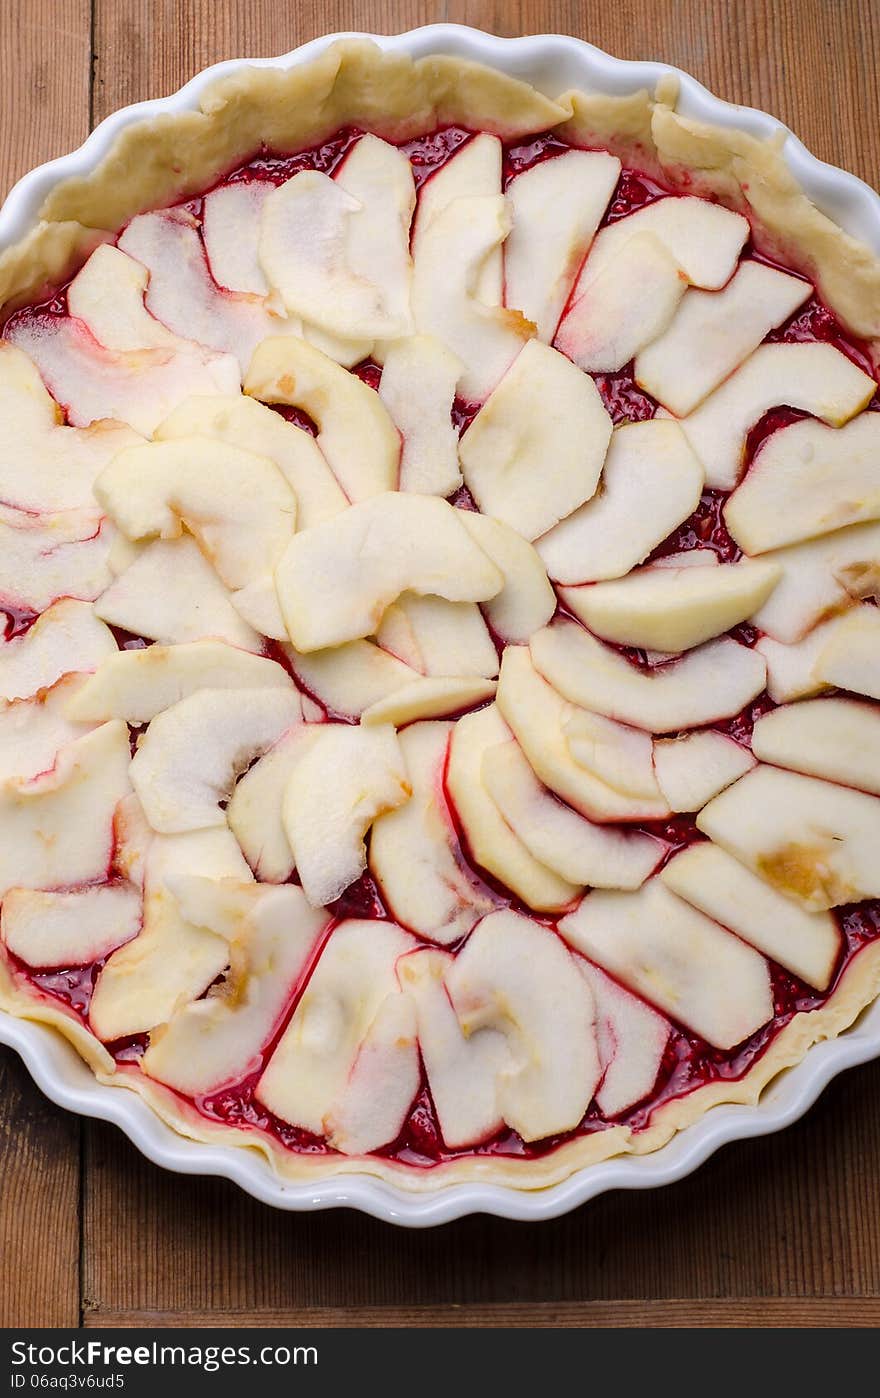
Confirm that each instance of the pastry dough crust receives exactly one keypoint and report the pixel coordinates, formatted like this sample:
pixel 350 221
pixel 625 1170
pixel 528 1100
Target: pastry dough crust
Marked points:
pixel 162 159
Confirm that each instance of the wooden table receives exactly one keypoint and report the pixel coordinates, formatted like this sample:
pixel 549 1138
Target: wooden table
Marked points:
pixel 784 1231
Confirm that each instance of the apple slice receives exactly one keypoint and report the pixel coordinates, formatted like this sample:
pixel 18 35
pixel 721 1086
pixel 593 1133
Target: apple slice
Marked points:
pixel 439 637
pixel 383 1083
pixel 557 206
pixel 33 731
pixel 813 840
pixel 107 295
pixel 190 755
pixel 171 594
pixel 792 670
pixel 138 388
pixel 380 177
pixel 694 768
pixel 138 684
pixel 418 389
pixel 527 601
pixel 712 682
pixel 429 696
pixel 819 577
pixel 46 557
pixel 538 717
pixel 217 1040
pixel 675 958
pixel 67 637
pixel 243 422
pixel 805 943
pixel 525 465
pixel 650 484
pixel 312 1077
pixel 838 739
pixel 575 848
pixel 341 779
pixel 713 332
pixel 516 977
pixel 415 856
pixel 705 239
pixel 631 1038
pixel 462 1073
pixel 622 307
pixel 238 504
pixel 254 810
pixel 474 169
pixel 449 258
pixel 489 839
pixel 848 656
pixel 56 829
pixel 617 754
pixel 171 961
pixel 335 581
pixel 673 609
pixel 62 462
pixel 807 480
pixel 815 377
pixel 69 929
pixel 349 679
pixel 355 433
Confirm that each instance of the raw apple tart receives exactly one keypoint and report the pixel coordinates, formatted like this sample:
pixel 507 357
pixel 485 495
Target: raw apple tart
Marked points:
pixel 440 547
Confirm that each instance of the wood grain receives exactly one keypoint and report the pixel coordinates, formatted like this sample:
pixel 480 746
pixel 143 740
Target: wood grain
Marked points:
pixel 779 1231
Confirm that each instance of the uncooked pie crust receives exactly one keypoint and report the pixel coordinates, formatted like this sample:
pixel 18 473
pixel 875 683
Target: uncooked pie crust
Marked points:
pixel 159 161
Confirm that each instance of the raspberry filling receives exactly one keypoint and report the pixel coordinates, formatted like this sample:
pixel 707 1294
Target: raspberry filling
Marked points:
pixel 689 1062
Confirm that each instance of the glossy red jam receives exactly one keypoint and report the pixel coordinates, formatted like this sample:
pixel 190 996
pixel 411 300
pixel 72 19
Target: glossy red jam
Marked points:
pixel 689 1062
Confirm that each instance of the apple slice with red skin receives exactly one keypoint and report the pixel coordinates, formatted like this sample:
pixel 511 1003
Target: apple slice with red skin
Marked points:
pixel 473 170
pixel 631 1038
pixel 45 557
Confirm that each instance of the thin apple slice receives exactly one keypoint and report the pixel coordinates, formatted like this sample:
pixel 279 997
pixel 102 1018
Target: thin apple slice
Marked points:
pixel 850 655
pixel 243 422
pixel 449 258
pixel 56 829
pixel 712 682
pixel 677 959
pixel 631 1038
pixel 310 1078
pixel 341 781
pixel 793 670
pixel 171 961
pixel 474 169
pixel 619 755
pixel 813 840
pixel 575 848
pixel 538 717
pixel 516 977
pixel 815 377
pixel 190 755
pixel 415 856
pixel 355 433
pixel 138 684
pixel 807 480
pixel 527 600
pixel 47 557
pixel 820 577
pixel 335 581
pixel 429 696
pixel 673 609
pixel 489 839
pixel 418 384
pixel 713 332
pixel 838 739
pixel 439 637
pixel 61 462
pixel 237 504
pixel 694 768
pixel 139 387
pixel 349 679
pixel 622 307
pixel 170 593
pixel 525 465
pixel 557 206
pixel 384 1081
pixel 806 943
pixel 254 809
pixel 107 295
pixel 33 731
pixel 380 177
pixel 69 929
pixel 463 1073
pixel 651 483
pixel 705 239
pixel 272 932
pixel 67 637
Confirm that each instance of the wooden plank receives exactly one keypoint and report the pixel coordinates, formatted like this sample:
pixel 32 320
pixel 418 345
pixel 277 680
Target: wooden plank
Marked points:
pixel 39 1219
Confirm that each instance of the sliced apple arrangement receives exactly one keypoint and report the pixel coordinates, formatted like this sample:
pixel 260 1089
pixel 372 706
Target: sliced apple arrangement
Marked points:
pixel 347 754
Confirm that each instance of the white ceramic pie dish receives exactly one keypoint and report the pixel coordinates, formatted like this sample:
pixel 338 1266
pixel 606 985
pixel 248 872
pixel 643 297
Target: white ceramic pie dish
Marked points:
pixel 551 63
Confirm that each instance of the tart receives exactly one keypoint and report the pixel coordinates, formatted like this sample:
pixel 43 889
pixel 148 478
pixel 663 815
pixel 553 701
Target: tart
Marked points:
pixel 440 548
